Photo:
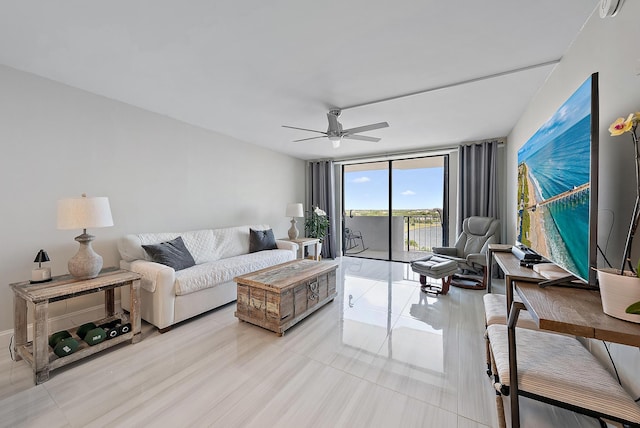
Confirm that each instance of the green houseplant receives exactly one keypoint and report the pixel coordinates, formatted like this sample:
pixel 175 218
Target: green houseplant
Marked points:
pixel 317 224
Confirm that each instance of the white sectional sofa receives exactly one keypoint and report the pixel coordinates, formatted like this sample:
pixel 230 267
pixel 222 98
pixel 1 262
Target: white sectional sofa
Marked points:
pixel 168 296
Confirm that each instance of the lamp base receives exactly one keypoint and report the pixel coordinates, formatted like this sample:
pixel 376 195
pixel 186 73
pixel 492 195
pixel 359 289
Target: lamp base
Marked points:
pixel 293 231
pixel 86 264
pixel 40 275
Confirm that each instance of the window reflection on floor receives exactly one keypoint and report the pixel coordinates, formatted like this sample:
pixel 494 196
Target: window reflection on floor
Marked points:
pixel 386 314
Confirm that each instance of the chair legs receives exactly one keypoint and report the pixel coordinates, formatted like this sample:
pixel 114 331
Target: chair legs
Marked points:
pixel 352 242
pixel 471 282
pixel 491 363
pixel 434 289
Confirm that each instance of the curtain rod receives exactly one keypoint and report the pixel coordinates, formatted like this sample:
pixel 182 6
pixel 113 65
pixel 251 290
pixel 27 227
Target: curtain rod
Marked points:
pixel 397 155
pixel 454 84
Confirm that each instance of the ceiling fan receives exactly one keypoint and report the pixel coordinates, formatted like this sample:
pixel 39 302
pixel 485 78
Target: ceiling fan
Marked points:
pixel 335 133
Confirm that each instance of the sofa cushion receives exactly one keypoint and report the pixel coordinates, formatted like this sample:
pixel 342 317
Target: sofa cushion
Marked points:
pixel 171 253
pixel 260 240
pixel 233 241
pixel 210 274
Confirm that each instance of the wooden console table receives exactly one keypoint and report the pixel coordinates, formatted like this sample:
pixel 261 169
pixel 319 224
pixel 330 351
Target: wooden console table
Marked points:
pixel 577 312
pixel 37 353
pixel 565 310
pixel 494 248
pixel 510 265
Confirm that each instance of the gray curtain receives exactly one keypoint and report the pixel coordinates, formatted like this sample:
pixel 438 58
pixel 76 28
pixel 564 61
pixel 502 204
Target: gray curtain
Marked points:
pixel 320 193
pixel 477 180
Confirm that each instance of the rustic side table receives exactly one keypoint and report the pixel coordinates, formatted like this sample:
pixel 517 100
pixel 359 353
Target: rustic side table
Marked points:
pixel 63 287
pixel 307 242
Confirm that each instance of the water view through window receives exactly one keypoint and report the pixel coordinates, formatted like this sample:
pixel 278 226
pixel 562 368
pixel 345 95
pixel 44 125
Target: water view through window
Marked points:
pixel 394 210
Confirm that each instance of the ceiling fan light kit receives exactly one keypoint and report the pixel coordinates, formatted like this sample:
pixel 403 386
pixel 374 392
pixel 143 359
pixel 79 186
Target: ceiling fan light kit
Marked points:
pixel 335 140
pixel 336 134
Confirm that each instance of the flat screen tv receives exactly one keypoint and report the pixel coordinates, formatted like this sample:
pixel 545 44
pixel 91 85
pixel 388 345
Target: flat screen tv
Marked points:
pixel 558 185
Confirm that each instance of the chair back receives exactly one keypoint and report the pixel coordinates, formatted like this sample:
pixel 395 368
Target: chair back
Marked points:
pixel 477 234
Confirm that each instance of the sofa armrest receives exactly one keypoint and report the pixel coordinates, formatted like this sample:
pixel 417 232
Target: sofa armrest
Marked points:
pixel 154 275
pixel 287 245
pixel 446 251
pixel 158 295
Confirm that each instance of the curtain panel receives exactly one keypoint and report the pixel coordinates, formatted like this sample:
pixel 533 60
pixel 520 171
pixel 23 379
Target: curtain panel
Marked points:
pixel 321 193
pixel 477 180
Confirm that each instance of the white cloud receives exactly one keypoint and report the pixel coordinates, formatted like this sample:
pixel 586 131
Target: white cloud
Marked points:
pixel 361 180
pixel 408 193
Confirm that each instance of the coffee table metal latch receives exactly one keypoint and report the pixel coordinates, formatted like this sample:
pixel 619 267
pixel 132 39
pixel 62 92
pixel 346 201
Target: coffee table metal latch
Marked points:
pixel 313 288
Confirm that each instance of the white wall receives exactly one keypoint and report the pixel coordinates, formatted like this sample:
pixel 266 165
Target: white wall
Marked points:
pixel 610 47
pixel 159 174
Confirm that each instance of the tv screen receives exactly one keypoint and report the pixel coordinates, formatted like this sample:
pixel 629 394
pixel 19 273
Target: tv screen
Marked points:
pixel 557 185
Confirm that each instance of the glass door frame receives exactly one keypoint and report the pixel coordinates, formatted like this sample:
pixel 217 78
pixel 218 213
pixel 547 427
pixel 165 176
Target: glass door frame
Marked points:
pixel 445 202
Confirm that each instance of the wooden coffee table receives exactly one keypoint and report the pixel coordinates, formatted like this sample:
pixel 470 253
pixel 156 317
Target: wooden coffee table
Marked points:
pixel 279 297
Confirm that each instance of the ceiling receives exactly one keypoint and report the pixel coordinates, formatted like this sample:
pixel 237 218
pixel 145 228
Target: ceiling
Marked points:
pixel 244 68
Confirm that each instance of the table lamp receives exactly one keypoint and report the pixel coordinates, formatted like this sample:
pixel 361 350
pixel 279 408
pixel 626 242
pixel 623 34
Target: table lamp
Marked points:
pixel 41 274
pixel 83 213
pixel 293 211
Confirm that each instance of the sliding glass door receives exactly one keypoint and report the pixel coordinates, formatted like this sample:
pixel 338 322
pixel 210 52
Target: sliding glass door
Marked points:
pixel 395 210
pixel 366 210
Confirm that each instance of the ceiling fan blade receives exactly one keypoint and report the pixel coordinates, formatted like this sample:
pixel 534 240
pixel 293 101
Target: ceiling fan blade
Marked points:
pixel 366 128
pixel 312 138
pixel 304 129
pixel 361 138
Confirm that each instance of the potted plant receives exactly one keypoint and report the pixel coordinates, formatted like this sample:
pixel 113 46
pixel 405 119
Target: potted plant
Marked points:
pixel 619 288
pixel 317 224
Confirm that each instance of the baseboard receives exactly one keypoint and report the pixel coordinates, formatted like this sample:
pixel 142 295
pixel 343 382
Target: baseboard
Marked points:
pixel 62 322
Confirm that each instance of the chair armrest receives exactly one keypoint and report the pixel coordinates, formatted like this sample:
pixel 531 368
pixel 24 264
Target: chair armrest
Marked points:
pixel 477 259
pixel 447 251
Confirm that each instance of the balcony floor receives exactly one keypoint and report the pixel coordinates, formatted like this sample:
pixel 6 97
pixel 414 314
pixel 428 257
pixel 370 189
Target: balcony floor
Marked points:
pixel 398 256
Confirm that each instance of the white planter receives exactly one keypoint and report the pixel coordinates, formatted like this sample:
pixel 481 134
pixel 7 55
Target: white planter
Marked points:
pixel 618 292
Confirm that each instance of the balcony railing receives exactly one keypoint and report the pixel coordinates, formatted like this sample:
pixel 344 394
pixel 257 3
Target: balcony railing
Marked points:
pixel 410 234
pixel 423 232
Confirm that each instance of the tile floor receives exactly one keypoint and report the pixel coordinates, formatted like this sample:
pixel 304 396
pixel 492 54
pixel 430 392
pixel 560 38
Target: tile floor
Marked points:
pixel 383 354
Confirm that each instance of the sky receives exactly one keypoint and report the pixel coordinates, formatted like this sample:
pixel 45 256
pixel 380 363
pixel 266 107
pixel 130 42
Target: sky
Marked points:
pixel 412 189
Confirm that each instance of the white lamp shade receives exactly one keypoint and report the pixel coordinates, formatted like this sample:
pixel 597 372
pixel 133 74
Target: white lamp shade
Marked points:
pixel 84 213
pixel 294 210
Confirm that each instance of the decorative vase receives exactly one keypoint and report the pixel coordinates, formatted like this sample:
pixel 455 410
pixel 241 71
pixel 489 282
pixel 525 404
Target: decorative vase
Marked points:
pixel 618 292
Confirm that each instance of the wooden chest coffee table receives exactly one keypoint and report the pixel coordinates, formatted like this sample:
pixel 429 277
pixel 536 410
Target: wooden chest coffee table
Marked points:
pixel 279 297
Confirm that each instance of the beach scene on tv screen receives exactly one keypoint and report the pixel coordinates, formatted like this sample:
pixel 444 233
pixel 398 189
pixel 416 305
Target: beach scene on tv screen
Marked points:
pixel 554 187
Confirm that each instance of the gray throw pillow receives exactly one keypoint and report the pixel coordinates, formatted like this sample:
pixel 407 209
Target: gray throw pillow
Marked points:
pixel 171 253
pixel 261 240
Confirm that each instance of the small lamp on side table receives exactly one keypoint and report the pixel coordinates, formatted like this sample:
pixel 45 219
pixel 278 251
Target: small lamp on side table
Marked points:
pixel 41 274
pixel 83 213
pixel 294 210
